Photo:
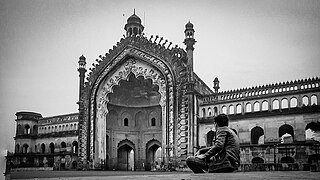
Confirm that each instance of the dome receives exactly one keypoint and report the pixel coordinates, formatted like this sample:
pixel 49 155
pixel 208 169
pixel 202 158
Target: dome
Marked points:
pixel 134 19
pixel 189 25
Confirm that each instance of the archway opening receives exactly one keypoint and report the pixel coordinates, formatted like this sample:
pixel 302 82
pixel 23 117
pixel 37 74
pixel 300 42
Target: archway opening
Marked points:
pixel 125 158
pixel 257 135
pixel 153 155
pixel 286 133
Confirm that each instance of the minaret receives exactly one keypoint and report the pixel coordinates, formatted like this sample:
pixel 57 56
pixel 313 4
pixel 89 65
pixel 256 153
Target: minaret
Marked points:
pixel 216 86
pixel 189 41
pixel 133 26
pixel 82 70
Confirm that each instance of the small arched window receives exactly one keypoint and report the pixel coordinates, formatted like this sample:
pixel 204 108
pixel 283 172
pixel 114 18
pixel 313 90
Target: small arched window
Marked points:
pixel 275 104
pixel 231 109
pixel 265 106
pixel 305 101
pixel 51 146
pixel 293 102
pixel 314 100
pixel 153 122
pixel 215 109
pixel 27 129
pixel 256 107
pixel 126 122
pixel 209 112
pixel 224 109
pixel 75 147
pixel 43 148
pixel 248 107
pixel 25 148
pixel 238 109
pixel 284 103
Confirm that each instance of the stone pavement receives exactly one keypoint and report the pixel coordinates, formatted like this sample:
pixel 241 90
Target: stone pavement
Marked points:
pixel 124 175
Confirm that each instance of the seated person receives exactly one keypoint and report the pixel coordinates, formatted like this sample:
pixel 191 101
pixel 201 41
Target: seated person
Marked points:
pixel 223 155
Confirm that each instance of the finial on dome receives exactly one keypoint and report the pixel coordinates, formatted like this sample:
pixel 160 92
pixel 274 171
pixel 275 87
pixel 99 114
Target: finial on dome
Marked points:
pixel 134 11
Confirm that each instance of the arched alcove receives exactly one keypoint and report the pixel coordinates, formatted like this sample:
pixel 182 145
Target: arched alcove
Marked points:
pixel 256 133
pixel 286 133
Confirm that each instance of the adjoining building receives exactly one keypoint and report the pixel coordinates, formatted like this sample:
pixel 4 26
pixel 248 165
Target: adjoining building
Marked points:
pixel 143 107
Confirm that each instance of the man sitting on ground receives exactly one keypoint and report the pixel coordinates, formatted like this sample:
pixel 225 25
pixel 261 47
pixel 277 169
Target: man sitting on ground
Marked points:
pixel 223 155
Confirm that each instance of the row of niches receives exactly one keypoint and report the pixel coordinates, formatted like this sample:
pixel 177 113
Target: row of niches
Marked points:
pixel 48 148
pixel 263 92
pixel 260 105
pixel 137 118
pixel 58 128
pixel 286 134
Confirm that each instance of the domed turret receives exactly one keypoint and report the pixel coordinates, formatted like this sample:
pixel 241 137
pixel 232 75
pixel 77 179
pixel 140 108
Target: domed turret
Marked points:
pixel 133 26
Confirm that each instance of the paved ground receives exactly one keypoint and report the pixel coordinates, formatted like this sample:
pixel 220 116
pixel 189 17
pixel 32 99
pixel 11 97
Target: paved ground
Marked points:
pixel 123 175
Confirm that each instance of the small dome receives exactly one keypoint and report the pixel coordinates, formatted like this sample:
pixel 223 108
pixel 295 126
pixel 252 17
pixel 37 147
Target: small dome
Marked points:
pixel 82 57
pixel 134 19
pixel 189 25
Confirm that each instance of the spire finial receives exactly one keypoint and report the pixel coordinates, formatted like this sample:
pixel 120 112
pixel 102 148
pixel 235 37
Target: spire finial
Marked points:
pixel 134 10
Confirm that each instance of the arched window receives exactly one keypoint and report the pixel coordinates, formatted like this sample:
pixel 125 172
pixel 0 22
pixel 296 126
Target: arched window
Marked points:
pixel 17 148
pixel 248 108
pixel 224 109
pixel 265 106
pixel 256 107
pixel 153 122
pixel 43 148
pixel 215 109
pixel 238 108
pixel 257 135
pixel 275 104
pixel 293 102
pixel 75 147
pixel 284 103
pixel 27 129
pixel 209 112
pixel 210 137
pixel 25 148
pixel 305 101
pixel 286 133
pixel 126 122
pixel 51 146
pixel 204 112
pixel 314 100
pixel 231 109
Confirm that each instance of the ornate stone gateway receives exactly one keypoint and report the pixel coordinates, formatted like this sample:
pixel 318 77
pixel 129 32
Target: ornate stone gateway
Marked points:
pixel 137 105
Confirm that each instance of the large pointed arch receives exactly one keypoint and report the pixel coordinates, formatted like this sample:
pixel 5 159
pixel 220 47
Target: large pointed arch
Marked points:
pixel 130 60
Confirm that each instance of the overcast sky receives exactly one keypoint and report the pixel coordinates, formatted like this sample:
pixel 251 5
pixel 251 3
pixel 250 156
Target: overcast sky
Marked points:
pixel 243 43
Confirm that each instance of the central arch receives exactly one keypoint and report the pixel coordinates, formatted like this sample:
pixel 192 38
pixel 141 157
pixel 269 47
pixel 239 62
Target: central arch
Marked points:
pixel 125 64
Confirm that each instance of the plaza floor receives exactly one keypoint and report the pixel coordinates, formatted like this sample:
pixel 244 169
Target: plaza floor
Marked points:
pixel 123 175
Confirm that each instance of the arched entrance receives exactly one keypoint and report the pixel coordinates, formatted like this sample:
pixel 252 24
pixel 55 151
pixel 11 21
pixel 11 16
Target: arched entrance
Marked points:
pixel 125 157
pixel 153 155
